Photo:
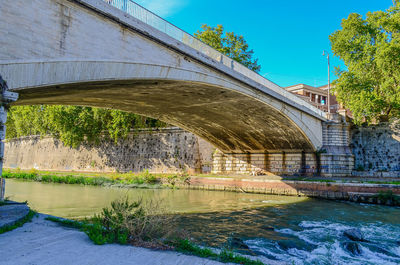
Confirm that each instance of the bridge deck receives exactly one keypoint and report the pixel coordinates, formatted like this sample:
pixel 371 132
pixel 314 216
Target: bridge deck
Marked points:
pixel 164 26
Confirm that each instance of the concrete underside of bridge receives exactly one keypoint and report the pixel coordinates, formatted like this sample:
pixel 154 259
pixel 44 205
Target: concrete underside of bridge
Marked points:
pixel 85 52
pixel 227 119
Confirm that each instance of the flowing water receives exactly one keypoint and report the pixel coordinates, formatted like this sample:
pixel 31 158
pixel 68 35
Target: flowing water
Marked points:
pixel 290 230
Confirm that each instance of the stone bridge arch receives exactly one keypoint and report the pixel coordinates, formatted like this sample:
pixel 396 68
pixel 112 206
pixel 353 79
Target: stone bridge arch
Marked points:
pixel 86 52
pixel 229 115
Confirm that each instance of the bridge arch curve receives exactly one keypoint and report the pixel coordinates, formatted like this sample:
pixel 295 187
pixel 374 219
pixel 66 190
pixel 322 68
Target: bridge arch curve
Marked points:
pixel 233 117
pixel 86 52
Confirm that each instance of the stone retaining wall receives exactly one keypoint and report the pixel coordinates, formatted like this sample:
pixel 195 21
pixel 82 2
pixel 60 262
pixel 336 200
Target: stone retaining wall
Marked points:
pixel 160 151
pixel 377 149
pixel 356 192
pixel 374 151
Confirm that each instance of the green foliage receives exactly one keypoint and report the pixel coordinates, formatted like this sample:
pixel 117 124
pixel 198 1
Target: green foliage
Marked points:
pixel 74 125
pixel 370 49
pixel 144 179
pixel 388 197
pixel 123 178
pixel 110 227
pixel 126 222
pixel 66 222
pixel 225 256
pixel 360 167
pixel 230 44
pixel 26 219
pixel 186 246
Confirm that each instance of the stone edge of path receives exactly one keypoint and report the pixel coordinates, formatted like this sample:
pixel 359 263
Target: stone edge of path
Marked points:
pixel 21 211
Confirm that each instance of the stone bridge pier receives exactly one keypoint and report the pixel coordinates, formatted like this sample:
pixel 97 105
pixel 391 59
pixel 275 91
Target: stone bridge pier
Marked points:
pixel 333 159
pixel 6 97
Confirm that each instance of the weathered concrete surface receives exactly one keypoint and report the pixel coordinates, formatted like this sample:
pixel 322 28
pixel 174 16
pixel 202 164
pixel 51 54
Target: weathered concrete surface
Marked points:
pixel 12 213
pixel 88 53
pixel 167 150
pixel 44 242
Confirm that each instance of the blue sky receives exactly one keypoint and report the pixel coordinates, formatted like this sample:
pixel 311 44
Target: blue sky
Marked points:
pixel 288 37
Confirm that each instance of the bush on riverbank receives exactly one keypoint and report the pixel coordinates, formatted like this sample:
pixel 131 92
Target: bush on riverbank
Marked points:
pixel 125 222
pixel 132 222
pixel 145 225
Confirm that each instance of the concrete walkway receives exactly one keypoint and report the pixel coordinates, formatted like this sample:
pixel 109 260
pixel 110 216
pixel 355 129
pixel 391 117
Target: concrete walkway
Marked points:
pixel 44 242
pixel 12 213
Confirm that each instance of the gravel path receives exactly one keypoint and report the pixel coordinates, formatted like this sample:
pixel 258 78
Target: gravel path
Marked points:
pixel 44 242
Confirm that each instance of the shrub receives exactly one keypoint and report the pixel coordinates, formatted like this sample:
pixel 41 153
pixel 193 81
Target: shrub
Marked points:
pixel 148 177
pixel 388 197
pixel 131 222
pixel 360 168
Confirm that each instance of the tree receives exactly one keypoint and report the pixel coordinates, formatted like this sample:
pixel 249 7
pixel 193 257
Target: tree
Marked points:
pixel 73 124
pixel 232 45
pixel 370 49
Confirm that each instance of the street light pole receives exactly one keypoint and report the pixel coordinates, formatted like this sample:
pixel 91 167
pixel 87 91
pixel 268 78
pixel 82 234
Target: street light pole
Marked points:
pixel 329 81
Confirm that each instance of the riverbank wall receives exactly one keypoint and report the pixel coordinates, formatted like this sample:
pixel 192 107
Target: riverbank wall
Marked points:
pixel 348 151
pixel 385 194
pixel 376 150
pixel 165 150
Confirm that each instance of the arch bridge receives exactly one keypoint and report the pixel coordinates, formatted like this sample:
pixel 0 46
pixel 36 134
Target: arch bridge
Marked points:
pixel 116 54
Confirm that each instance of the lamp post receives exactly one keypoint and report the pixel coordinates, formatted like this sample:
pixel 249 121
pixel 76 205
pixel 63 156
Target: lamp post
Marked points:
pixel 329 81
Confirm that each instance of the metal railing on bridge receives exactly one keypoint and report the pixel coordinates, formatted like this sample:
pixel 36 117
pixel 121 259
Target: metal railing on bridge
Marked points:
pixel 159 23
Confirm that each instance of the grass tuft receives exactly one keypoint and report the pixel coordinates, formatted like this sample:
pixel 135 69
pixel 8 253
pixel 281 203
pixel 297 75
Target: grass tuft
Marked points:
pixel 225 256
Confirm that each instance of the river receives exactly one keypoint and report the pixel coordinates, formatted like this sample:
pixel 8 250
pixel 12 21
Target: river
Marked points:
pixel 294 230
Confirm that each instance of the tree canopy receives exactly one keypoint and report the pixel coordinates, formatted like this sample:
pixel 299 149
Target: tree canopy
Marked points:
pixel 74 125
pixel 370 49
pixel 230 44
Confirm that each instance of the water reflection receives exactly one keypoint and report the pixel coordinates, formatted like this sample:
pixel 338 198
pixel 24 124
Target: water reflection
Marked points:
pixel 75 201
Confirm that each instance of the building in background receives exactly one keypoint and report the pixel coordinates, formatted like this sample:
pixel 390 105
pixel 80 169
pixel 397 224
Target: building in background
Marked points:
pixel 316 96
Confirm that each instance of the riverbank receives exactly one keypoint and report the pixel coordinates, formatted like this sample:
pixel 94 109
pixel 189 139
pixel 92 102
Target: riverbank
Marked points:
pixel 288 229
pixel 44 242
pixel 361 190
pixel 14 215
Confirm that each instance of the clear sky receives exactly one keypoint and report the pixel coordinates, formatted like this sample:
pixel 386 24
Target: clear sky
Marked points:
pixel 288 37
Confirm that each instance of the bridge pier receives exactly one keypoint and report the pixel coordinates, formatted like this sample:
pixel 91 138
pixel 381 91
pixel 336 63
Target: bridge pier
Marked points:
pixel 337 159
pixel 334 159
pixel 273 162
pixel 6 97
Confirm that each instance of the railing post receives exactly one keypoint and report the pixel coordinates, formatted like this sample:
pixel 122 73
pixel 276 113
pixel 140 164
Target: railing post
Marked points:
pixel 6 97
pixel 125 5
